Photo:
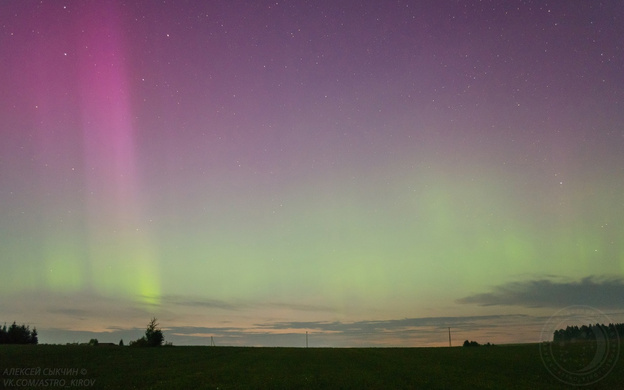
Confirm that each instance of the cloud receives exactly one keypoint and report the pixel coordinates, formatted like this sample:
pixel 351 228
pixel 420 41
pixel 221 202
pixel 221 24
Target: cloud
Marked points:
pixel 202 302
pixel 394 332
pixel 180 300
pixel 427 331
pixel 398 325
pixel 301 307
pixel 590 291
pixel 70 312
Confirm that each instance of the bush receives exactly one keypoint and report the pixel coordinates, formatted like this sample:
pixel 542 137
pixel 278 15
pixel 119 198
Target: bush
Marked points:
pixel 142 342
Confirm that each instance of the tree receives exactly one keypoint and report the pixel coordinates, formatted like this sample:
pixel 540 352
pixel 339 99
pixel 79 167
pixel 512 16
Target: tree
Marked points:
pixel 121 343
pixel 33 337
pixel 18 334
pixel 4 339
pixel 471 344
pixel 93 342
pixel 153 334
pixel 588 333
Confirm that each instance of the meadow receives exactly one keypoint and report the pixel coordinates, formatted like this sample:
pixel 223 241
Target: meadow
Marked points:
pixel 190 367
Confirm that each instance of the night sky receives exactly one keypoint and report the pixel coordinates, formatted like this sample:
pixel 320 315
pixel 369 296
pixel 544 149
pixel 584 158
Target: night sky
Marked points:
pixel 372 172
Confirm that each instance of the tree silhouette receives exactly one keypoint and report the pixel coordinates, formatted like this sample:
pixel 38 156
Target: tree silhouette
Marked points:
pixel 588 332
pixel 153 334
pixel 471 344
pixel 18 334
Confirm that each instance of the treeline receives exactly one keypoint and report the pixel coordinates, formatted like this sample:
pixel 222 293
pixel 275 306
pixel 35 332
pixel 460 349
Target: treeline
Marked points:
pixel 18 334
pixel 588 332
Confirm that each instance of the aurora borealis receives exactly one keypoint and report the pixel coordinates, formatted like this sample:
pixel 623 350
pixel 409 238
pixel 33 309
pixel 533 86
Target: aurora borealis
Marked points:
pixel 252 170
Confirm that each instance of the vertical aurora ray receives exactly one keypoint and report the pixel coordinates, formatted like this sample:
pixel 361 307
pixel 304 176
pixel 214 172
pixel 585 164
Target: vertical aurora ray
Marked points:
pixel 45 246
pixel 121 254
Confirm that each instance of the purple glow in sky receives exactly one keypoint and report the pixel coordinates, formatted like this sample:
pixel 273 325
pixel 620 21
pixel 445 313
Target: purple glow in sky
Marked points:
pixel 369 172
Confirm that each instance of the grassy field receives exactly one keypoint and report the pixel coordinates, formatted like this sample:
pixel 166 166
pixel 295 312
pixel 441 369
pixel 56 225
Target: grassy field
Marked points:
pixel 186 367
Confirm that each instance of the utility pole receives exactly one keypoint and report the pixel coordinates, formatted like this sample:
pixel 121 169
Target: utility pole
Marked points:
pixel 449 329
pixel 212 344
pixel 306 339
